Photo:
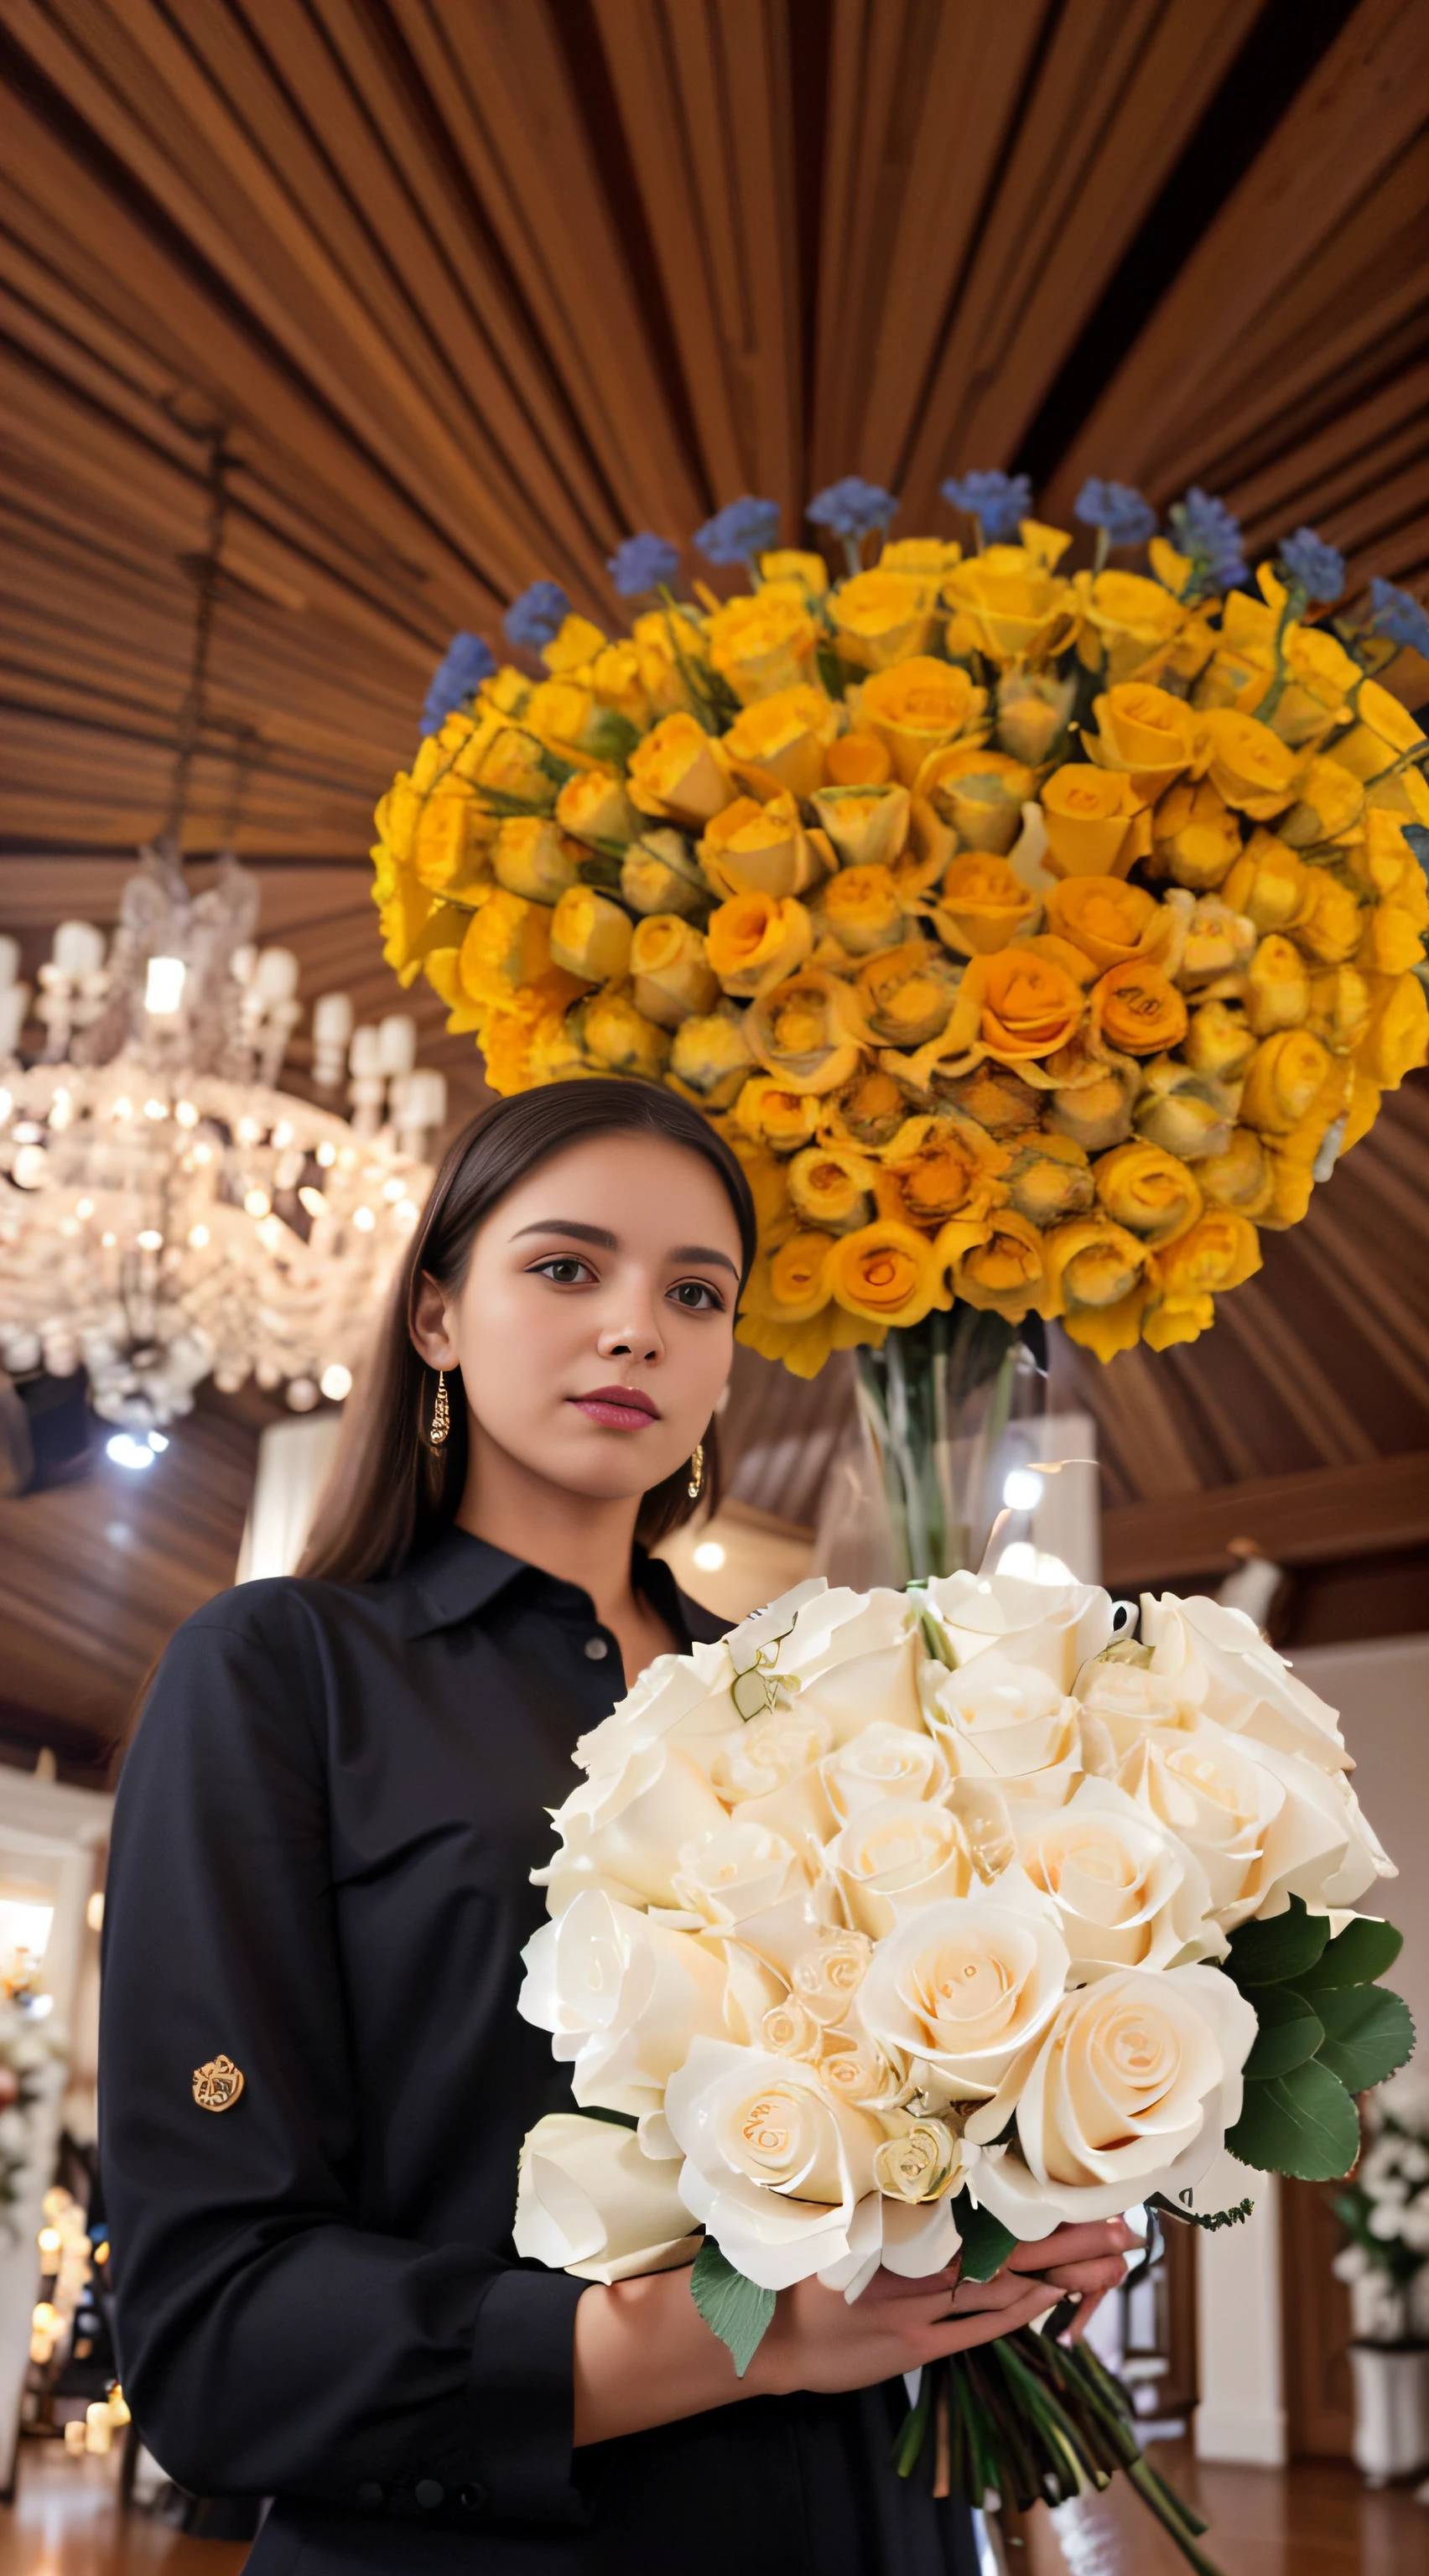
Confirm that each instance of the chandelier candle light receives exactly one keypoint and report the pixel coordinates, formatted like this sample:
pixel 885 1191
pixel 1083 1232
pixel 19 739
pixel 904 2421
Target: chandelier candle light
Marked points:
pixel 1037 938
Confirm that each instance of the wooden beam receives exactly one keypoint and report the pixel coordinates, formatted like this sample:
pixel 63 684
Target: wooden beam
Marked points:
pixel 1317 1518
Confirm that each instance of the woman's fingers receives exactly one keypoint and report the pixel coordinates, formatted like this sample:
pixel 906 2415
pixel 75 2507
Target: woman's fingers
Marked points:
pixel 963 2333
pixel 1068 2244
pixel 1091 2278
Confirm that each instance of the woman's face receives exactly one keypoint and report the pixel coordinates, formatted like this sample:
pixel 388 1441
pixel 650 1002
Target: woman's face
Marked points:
pixel 595 1327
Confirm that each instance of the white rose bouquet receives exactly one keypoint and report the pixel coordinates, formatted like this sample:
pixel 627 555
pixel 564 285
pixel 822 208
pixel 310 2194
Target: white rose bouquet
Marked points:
pixel 899 1928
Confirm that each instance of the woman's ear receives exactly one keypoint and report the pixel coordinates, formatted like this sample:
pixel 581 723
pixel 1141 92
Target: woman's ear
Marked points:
pixel 429 1324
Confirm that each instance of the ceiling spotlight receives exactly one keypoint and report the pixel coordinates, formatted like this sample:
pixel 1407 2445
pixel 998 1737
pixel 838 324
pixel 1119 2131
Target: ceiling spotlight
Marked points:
pixel 126 1451
pixel 709 1556
pixel 1022 1490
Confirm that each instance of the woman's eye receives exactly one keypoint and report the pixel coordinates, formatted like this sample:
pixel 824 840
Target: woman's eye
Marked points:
pixel 696 1298
pixel 565 1270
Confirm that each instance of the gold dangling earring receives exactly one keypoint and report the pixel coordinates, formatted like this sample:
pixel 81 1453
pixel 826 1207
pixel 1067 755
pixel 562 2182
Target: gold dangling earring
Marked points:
pixel 441 1412
pixel 697 1471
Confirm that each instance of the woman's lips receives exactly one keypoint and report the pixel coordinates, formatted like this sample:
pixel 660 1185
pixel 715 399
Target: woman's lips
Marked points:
pixel 617 1408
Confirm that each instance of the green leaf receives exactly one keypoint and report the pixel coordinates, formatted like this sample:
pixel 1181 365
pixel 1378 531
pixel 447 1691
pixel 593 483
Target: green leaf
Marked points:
pixel 1355 1957
pixel 733 2307
pixel 1368 2033
pixel 1285 1945
pixel 1290 2032
pixel 986 2242
pixel 1302 2124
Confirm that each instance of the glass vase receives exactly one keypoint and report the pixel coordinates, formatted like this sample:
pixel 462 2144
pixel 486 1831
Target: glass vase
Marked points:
pixel 939 1399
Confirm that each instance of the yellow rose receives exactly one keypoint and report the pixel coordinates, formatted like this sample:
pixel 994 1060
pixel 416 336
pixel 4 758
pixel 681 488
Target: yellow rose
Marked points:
pixel 787 1313
pixel 907 993
pixel 790 563
pixel 1364 1108
pixel 1239 1178
pixel 710 1059
pixel 590 936
pixel 1269 884
pixel 1004 1274
pixel 768 1180
pixel 916 707
pixel 1008 605
pixel 997 1097
pixel 1138 1008
pixel 1033 708
pixel 638 683
pixel 1246 763
pixel 1182 1111
pixel 935 1169
pixel 671 971
pixel 764 642
pixel 413 923
pixel 619 1038
pixel 868 826
pixel 931 556
pixel 1146 732
pixel 677 772
pixel 1328 805
pixel 1107 919
pixel 752 938
pixel 1152 1193
pixel 1285 1074
pixel 506 1040
pixel 1216 942
pixel 452 841
pixel 832 1186
pixel 1340 1004
pixel 1382 731
pixel 575 643
pixel 505 693
pixel 1051 1179
pixel 1397 1039
pixel 1099 1281
pixel 1097 1114
pixel 860 907
pixel 858 760
pixel 1277 987
pixel 980 793
pixel 659 874
pixel 507 949
pixel 594 807
pixel 1320 690
pixel 1329 929
pixel 677 633
pixel 569 718
pixel 870 1111
pixel 510 761
pixel 1131 625
pixel 886 1274
pixel 806 1031
pixel 782 742
pixel 1391 941
pixel 1020 1006
pixel 1195 836
pixel 879 617
pixel 759 849
pixel 770 1115
pixel 1381 860
pixel 983 904
pixel 1218 1253
pixel 1220 1041
pixel 534 858
pixel 1095 821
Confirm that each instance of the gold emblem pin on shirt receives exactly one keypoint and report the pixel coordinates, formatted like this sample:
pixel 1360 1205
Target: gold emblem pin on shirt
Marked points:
pixel 218 2084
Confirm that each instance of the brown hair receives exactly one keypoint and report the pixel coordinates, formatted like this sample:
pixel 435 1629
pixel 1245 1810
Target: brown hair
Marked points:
pixel 391 1492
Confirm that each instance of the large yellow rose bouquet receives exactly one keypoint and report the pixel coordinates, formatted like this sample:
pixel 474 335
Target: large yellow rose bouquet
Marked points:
pixel 1035 937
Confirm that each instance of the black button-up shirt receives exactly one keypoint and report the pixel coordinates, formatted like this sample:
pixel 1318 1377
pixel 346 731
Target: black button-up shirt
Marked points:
pixel 321 1870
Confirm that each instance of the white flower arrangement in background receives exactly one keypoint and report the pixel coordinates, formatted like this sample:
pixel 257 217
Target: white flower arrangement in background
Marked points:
pixel 1386 2214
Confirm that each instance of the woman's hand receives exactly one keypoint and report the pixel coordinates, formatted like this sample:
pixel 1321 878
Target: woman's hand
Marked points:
pixel 644 2355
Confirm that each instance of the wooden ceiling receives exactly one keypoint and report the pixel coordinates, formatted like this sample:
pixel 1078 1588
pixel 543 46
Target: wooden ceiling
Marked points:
pixel 477 287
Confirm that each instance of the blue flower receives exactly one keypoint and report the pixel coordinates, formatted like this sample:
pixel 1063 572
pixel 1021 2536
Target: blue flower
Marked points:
pixel 852 507
pixel 1399 615
pixel 1314 567
pixel 1206 531
pixel 537 616
pixel 467 661
pixel 643 563
pixel 744 528
pixel 1118 508
pixel 997 501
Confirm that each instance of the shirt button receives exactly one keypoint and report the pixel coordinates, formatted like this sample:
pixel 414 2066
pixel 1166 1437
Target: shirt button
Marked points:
pixel 597 1649
pixel 369 2497
pixel 473 2499
pixel 429 2495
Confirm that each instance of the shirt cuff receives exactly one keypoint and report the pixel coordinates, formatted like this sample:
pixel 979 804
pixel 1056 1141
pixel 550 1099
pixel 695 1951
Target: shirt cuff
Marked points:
pixel 523 2393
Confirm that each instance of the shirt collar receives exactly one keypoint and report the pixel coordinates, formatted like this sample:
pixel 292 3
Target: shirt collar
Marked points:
pixel 459 1576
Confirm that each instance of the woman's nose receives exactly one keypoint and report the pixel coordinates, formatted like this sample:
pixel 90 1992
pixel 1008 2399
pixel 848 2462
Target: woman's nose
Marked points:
pixel 634 1331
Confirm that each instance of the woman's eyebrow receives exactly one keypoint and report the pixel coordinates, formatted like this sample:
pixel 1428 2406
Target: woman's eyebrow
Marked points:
pixel 704 1253
pixel 567 1225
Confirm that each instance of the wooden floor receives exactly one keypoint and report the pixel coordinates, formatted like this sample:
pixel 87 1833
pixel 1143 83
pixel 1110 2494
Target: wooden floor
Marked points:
pixel 1319 2520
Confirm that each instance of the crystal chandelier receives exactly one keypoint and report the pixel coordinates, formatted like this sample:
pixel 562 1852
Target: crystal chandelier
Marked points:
pixel 167 1211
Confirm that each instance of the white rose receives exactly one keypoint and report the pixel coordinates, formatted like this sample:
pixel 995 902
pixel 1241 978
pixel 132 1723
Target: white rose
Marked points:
pixel 1055 1626
pixel 673 1689
pixel 856 2069
pixel 1005 1722
pixel 962 1987
pixel 590 2201
pixel 895 1857
pixel 1220 1660
pixel 767 1754
pixel 774 2165
pixel 621 1829
pixel 622 1996
pixel 1262 1824
pixel 1126 1696
pixel 1129 2092
pixel 828 1973
pixel 881 1762
pixel 742 1879
pixel 1128 1894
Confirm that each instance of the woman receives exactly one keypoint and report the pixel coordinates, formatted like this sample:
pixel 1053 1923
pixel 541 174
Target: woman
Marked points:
pixel 315 2080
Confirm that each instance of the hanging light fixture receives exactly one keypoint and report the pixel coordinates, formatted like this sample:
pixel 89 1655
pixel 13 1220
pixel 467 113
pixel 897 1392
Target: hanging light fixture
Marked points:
pixel 167 1211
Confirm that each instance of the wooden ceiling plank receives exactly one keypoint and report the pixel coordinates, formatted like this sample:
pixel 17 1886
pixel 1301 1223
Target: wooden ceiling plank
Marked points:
pixel 752 41
pixel 1349 442
pixel 1354 115
pixel 1327 1420
pixel 1329 1514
